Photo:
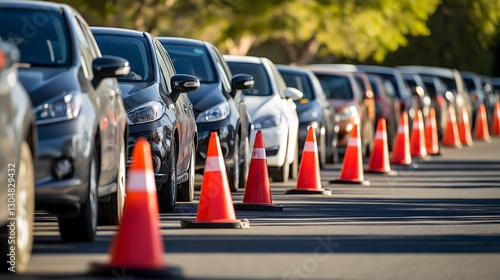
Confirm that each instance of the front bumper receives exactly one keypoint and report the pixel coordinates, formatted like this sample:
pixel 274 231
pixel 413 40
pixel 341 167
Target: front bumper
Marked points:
pixel 276 144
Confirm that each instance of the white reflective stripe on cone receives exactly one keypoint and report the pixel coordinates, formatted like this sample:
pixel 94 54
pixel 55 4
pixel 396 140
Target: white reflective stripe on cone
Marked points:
pixel 380 135
pixel 259 153
pixel 401 129
pixel 310 146
pixel 354 142
pixel 214 163
pixel 141 181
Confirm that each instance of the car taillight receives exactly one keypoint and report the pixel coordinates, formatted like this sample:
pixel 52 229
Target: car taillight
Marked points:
pixel 440 101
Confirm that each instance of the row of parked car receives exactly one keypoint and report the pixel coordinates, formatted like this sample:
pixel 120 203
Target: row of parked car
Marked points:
pixel 75 99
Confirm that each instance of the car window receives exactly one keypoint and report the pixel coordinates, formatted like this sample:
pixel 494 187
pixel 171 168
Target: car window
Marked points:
pixel 44 44
pixel 166 76
pixel 336 87
pixel 262 84
pixel 192 60
pixel 279 80
pixel 84 45
pixel 300 82
pixel 226 83
pixel 133 49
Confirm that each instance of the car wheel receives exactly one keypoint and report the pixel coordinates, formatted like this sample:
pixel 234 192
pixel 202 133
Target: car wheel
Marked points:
pixel 110 212
pixel 293 173
pixel 186 190
pixel 234 172
pixel 281 174
pixel 84 226
pixel 244 163
pixel 322 151
pixel 167 194
pixel 24 214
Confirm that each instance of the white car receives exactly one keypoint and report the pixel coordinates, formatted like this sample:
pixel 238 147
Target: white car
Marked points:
pixel 272 110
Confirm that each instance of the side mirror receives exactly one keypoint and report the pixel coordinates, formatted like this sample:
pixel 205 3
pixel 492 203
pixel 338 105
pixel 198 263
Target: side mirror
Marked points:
pixel 183 83
pixel 9 55
pixel 109 66
pixel 241 82
pixel 293 93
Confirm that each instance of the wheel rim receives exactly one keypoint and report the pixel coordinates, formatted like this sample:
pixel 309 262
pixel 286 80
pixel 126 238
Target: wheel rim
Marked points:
pixel 120 188
pixel 93 193
pixel 24 207
pixel 192 173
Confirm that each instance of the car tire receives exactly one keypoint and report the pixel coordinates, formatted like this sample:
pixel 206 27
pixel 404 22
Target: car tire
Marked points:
pixel 167 194
pixel 24 213
pixel 110 212
pixel 280 174
pixel 234 172
pixel 244 163
pixel 186 190
pixel 322 151
pixel 83 227
pixel 293 173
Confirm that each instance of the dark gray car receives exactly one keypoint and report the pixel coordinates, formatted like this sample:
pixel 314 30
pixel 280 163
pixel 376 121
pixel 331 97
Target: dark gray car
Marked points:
pixel 79 114
pixel 17 151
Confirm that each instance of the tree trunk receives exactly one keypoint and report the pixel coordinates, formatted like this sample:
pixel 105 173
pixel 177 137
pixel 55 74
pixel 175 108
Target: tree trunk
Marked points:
pixel 240 46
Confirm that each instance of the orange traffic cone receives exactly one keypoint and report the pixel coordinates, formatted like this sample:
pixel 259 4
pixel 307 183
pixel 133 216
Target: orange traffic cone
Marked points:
pixel 257 191
pixel 137 249
pixel 451 137
pixel 481 125
pixel 379 159
pixel 464 131
pixel 401 148
pixel 215 209
pixel 417 138
pixel 309 179
pixel 431 134
pixel 352 167
pixel 495 129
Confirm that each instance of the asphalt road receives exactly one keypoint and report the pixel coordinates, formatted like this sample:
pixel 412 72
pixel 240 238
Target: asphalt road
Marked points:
pixel 437 220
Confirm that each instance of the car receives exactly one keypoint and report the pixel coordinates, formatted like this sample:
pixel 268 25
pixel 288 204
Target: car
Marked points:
pixel 158 109
pixel 219 105
pixel 345 95
pixel 18 144
pixel 458 95
pixel 80 118
pixel 477 88
pixel 419 93
pixel 386 106
pixel 273 111
pixel 313 110
pixel 437 91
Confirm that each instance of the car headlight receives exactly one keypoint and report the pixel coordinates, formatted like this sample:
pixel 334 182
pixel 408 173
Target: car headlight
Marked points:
pixel 268 121
pixel 59 108
pixel 147 112
pixel 308 115
pixel 215 113
pixel 347 113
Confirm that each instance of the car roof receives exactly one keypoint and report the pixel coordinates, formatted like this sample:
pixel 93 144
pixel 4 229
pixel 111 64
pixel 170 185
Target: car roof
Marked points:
pixel 116 31
pixel 33 5
pixel 245 59
pixel 181 41
pixel 377 69
pixel 293 69
pixel 338 67
pixel 430 70
pixel 328 71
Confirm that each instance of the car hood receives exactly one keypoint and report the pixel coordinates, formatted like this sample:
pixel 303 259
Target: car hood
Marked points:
pixel 135 94
pixel 206 96
pixel 43 83
pixel 341 103
pixel 259 106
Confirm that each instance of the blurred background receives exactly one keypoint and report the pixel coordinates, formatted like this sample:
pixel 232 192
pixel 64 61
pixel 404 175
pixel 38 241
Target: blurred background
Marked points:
pixel 459 34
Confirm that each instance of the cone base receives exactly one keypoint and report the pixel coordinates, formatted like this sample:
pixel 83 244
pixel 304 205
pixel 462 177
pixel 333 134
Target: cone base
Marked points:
pixel 383 172
pixel 453 146
pixel 309 191
pixel 488 140
pixel 114 271
pixel 347 182
pixel 258 207
pixel 439 153
pixel 240 224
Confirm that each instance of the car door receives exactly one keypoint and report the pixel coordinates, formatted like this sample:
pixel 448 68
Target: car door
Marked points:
pixel 104 98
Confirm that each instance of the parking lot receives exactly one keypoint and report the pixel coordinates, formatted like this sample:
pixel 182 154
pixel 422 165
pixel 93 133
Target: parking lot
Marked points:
pixel 437 220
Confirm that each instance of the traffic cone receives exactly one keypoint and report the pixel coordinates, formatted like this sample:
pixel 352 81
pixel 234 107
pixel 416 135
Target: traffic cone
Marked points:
pixel 417 138
pixel 352 167
pixel 401 148
pixel 309 179
pixel 431 134
pixel 464 130
pixel 379 159
pixel 137 248
pixel 215 209
pixel 451 137
pixel 481 125
pixel 257 191
pixel 495 129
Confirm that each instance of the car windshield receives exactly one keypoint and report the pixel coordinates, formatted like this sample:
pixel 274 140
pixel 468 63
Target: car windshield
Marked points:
pixel 389 78
pixel 133 49
pixel 469 84
pixel 39 44
pixel 336 87
pixel 300 82
pixel 262 85
pixel 192 60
